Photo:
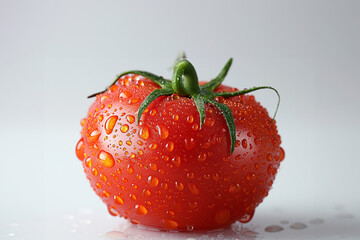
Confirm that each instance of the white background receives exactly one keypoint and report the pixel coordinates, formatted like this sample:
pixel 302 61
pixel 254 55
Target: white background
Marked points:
pixel 55 53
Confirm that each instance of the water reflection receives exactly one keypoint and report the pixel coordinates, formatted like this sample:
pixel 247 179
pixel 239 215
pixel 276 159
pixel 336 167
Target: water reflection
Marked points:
pixel 237 231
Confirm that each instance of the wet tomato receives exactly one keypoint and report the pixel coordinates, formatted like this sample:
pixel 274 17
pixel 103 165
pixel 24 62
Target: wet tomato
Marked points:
pixel 174 155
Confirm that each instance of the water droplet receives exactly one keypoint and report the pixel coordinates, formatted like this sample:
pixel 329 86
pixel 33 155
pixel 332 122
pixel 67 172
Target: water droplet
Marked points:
pixel 134 100
pixel 153 181
pixel 130 169
pixel 190 144
pixel 209 122
pixel 124 128
pixel 130 119
pixel 153 146
pixel 103 177
pixel 144 133
pixel 169 224
pixel 146 192
pixel 176 161
pixel 317 221
pixel 106 159
pixel 116 235
pixel 94 136
pixel 179 185
pixel 244 143
pixel 112 211
pixel 163 131
pixel 88 162
pixel 118 200
pixel 94 171
pixel 247 217
pixel 190 119
pixel 201 157
pixel 133 197
pixel 298 226
pixel 193 188
pixel 125 94
pixel 269 157
pixel 222 216
pixel 80 150
pixel 140 210
pixel 110 124
pixel 169 146
pixel 282 154
pixel 274 228
pixel 106 194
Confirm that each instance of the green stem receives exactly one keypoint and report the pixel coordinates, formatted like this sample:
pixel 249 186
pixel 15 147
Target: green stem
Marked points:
pixel 184 80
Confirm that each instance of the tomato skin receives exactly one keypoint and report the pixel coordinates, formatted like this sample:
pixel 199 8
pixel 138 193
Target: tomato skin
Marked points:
pixel 166 172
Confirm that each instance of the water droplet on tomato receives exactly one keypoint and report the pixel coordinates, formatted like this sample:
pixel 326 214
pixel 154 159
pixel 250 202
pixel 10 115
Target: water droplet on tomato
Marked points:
pixel 118 200
pixel 244 143
pixel 144 133
pixel 125 94
pixel 169 146
pixel 130 119
pixel 209 122
pixel 222 216
pixel 201 157
pixel 190 119
pixel 153 146
pixel 247 217
pixel 163 131
pixel 106 159
pixel 175 117
pixel 179 185
pixel 124 128
pixel 94 136
pixel 132 196
pixel 130 169
pixel 193 188
pixel 169 224
pixel 282 154
pixel 80 150
pixel 112 211
pixel 153 181
pixel 83 122
pixel 94 171
pixel 141 210
pixel 106 194
pixel 146 192
pixel 176 161
pixel 88 162
pixel 269 157
pixel 190 144
pixel 110 124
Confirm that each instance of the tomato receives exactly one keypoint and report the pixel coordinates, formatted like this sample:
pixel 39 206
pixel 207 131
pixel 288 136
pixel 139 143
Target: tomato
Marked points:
pixel 196 158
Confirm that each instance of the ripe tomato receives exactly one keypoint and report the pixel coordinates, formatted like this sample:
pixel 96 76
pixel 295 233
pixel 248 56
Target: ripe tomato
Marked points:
pixel 188 162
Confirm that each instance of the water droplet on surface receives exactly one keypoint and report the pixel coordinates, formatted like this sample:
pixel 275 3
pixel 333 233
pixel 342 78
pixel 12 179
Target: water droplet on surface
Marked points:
pixel 153 146
pixel 141 210
pixel 246 218
pixel 274 228
pixel 169 224
pixel 163 131
pixel 222 216
pixel 179 185
pixel 282 154
pixel 298 226
pixel 110 124
pixel 317 221
pixel 130 169
pixel 125 94
pixel 118 200
pixel 193 188
pixel 201 157
pixel 176 161
pixel 116 235
pixel 244 143
pixel 124 128
pixel 94 136
pixel 153 181
pixel 80 150
pixel 130 119
pixel 106 159
pixel 169 146
pixel 94 171
pixel 144 133
pixel 190 144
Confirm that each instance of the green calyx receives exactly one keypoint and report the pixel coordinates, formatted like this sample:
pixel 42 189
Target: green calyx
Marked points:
pixel 185 83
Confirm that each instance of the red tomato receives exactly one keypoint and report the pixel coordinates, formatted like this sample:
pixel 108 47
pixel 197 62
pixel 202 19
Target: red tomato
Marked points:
pixel 168 171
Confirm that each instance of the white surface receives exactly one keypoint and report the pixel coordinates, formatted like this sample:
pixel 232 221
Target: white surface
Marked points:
pixel 54 53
